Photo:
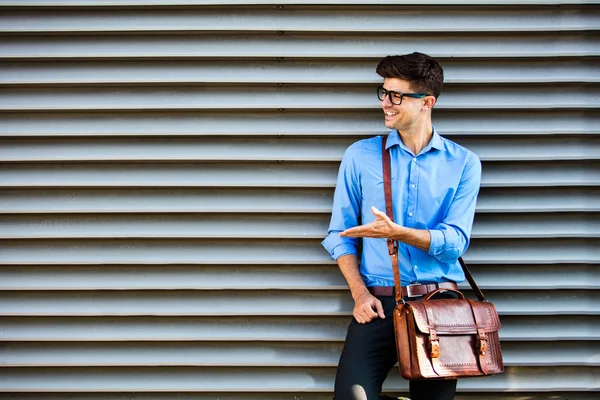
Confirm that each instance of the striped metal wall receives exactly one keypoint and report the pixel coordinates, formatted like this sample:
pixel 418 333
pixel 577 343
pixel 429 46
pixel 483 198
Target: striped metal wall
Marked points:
pixel 167 171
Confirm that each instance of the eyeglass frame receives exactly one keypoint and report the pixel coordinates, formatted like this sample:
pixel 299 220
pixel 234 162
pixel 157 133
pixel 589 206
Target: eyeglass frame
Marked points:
pixel 388 93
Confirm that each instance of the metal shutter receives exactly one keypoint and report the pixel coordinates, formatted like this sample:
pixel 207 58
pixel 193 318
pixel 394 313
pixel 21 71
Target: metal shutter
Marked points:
pixel 167 169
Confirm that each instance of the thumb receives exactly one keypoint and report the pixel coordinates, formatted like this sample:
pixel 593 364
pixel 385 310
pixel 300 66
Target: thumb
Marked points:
pixel 378 214
pixel 379 309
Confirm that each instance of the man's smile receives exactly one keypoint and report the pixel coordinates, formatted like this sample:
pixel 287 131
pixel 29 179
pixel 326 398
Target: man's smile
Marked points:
pixel 390 114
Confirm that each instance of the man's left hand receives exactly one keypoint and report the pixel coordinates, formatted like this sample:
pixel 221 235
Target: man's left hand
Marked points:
pixel 382 227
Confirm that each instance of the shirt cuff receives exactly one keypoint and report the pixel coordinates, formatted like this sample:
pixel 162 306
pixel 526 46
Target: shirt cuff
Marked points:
pixel 438 242
pixel 338 246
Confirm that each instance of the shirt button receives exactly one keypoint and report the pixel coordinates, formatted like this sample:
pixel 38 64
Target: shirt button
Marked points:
pixel 410 214
pixel 413 186
pixel 416 267
pixel 414 160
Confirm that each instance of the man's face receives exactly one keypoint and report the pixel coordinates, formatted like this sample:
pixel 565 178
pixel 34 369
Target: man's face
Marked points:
pixel 404 116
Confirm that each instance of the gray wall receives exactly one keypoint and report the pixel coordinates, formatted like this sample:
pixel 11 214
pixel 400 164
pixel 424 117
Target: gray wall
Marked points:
pixel 167 170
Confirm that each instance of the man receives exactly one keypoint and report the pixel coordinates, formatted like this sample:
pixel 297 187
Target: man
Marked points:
pixel 435 183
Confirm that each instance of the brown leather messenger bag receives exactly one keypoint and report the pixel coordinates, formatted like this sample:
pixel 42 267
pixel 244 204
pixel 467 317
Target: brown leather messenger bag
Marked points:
pixel 443 338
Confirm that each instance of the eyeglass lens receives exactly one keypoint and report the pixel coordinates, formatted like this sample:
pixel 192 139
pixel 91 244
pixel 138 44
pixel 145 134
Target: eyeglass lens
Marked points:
pixel 395 97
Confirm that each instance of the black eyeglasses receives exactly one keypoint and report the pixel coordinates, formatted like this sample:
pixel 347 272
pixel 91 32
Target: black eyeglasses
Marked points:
pixel 396 97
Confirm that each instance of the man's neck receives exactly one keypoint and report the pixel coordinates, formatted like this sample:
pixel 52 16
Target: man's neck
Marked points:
pixel 417 139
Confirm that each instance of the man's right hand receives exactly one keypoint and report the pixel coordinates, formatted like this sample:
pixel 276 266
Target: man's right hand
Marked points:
pixel 366 308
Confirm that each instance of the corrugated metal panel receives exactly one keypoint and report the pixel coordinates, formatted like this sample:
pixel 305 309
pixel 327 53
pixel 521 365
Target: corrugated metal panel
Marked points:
pixel 249 303
pixel 287 71
pixel 231 200
pixel 167 171
pixel 304 19
pixel 515 328
pixel 299 45
pixel 277 379
pixel 526 148
pixel 304 277
pixel 154 3
pixel 277 396
pixel 295 97
pixel 253 354
pixel 262 226
pixel 501 122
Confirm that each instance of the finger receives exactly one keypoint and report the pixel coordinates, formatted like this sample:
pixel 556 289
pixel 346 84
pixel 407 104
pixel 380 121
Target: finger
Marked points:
pixel 368 314
pixel 353 232
pixel 371 310
pixel 364 313
pixel 369 230
pixel 380 214
pixel 366 318
pixel 358 314
pixel 379 308
pixel 383 217
pixel 374 234
pixel 350 230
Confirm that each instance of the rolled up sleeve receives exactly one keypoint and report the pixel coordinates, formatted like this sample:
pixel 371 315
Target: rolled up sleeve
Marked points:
pixel 346 207
pixel 451 238
pixel 339 246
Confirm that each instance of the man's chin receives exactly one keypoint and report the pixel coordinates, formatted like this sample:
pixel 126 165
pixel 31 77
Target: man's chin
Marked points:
pixel 389 124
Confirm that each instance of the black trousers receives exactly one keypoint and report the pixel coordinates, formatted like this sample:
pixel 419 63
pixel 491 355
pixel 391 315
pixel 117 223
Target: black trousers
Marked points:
pixel 368 356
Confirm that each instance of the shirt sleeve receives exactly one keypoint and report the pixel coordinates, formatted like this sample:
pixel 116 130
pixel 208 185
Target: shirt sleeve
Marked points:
pixel 346 207
pixel 450 239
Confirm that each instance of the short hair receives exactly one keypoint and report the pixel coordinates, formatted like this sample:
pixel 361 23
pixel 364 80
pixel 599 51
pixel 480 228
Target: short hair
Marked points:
pixel 424 74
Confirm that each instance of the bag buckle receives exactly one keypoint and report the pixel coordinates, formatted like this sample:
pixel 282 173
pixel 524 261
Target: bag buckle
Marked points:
pixel 482 342
pixel 435 348
pixel 434 343
pixel 483 347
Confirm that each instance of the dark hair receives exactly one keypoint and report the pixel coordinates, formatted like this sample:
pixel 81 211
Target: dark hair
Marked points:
pixel 424 74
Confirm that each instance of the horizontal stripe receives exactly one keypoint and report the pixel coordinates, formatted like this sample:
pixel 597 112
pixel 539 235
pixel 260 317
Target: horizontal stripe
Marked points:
pixel 259 328
pixel 241 379
pixel 252 354
pixel 295 45
pixel 460 395
pixel 260 303
pixel 267 251
pixel 321 148
pixel 288 97
pixel 285 123
pixel 257 226
pixel 303 19
pixel 241 71
pixel 269 200
pixel 264 277
pixel 266 174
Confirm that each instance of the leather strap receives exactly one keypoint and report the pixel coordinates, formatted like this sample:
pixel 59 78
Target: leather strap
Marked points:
pixel 482 345
pixel 393 245
pixel 471 280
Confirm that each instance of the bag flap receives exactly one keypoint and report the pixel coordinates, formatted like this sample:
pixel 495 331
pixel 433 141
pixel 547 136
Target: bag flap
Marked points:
pixel 450 316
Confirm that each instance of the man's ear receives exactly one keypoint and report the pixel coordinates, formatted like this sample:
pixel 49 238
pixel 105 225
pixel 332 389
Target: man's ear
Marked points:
pixel 429 102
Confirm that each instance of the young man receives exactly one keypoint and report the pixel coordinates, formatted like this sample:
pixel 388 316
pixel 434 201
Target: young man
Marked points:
pixel 435 183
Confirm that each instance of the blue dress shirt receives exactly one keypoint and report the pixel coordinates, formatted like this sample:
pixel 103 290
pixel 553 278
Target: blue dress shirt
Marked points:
pixel 435 190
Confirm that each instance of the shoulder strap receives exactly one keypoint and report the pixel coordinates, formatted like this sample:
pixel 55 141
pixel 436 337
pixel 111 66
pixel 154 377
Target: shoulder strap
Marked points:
pixel 393 245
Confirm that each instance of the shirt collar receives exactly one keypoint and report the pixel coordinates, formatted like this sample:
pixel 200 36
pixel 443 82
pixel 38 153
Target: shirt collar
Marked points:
pixel 435 142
